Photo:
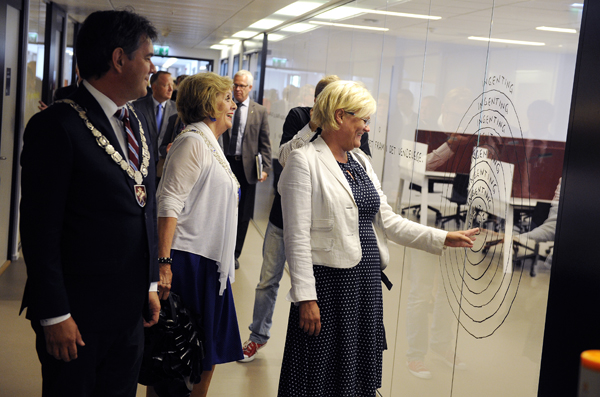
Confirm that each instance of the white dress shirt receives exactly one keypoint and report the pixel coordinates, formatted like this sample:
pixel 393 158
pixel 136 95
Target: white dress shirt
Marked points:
pixel 243 118
pixel 162 122
pixel 299 140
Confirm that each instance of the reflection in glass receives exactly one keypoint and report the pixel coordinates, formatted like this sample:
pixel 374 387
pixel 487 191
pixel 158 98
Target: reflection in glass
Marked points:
pixel 35 58
pixel 493 114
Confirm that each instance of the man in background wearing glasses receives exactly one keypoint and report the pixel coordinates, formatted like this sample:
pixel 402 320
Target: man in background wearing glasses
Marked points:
pixel 247 147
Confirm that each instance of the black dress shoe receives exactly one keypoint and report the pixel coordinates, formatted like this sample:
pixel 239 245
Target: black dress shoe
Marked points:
pixel 237 264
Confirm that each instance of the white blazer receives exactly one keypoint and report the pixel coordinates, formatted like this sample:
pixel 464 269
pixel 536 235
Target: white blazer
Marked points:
pixel 320 219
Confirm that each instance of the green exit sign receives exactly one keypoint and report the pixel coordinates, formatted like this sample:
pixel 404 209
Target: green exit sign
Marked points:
pixel 161 50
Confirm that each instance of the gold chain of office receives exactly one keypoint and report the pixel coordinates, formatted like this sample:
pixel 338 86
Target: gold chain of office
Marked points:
pixel 137 176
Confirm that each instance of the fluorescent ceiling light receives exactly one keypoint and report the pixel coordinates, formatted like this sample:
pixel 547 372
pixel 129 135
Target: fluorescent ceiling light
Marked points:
pixel 401 14
pixel 560 30
pixel 169 62
pixel 347 12
pixel 265 24
pixel 577 5
pixel 340 13
pixel 298 27
pixel 229 41
pixel 244 34
pixel 276 37
pixel 343 25
pixel 218 47
pixel 535 43
pixel 298 8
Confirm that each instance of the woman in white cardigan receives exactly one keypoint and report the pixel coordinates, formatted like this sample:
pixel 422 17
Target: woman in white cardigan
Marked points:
pixel 336 225
pixel 197 218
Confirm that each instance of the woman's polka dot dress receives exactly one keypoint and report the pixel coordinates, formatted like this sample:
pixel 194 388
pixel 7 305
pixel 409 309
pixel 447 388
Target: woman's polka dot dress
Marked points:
pixel 346 358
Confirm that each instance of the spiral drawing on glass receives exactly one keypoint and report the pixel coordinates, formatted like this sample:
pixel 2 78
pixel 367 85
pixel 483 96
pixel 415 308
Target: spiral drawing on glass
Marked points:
pixel 480 283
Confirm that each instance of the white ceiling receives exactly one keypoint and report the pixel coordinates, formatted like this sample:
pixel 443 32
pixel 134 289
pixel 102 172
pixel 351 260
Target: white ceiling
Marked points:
pixel 198 24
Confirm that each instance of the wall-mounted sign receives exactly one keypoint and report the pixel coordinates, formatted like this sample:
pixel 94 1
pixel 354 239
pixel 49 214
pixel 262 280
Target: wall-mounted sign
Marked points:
pixel 161 50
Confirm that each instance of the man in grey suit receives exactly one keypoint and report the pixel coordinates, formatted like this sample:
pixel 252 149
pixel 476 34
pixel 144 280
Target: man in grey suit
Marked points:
pixel 247 138
pixel 162 89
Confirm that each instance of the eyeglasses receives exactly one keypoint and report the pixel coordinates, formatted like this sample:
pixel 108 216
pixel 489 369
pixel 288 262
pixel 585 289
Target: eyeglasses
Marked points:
pixel 240 86
pixel 367 121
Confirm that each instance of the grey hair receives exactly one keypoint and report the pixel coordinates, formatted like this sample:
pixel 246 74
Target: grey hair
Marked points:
pixel 246 73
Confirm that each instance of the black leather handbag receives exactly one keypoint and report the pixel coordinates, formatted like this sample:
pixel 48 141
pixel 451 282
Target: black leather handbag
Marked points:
pixel 173 351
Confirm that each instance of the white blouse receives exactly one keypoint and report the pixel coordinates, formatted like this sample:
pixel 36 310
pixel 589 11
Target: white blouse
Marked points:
pixel 199 189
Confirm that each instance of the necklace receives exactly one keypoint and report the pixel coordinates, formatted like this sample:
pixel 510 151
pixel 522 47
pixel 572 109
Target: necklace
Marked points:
pixel 137 176
pixel 215 154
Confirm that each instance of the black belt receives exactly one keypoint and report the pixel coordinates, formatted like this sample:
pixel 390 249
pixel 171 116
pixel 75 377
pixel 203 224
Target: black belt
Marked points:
pixel 236 158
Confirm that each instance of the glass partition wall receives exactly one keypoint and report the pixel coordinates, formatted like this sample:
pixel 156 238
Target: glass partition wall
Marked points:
pixel 473 102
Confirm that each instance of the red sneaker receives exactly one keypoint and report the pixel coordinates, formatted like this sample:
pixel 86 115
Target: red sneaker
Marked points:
pixel 250 350
pixel 418 369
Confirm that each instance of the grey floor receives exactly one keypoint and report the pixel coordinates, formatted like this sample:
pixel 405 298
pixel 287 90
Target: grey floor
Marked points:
pixel 512 354
pixel 20 370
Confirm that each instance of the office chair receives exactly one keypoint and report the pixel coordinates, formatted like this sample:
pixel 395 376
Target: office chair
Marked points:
pixel 459 197
pixel 538 216
pixel 417 207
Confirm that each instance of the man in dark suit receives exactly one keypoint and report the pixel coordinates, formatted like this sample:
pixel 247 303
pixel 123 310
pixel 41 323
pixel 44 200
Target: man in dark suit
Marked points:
pixel 162 89
pixel 88 217
pixel 248 137
pixel 65 92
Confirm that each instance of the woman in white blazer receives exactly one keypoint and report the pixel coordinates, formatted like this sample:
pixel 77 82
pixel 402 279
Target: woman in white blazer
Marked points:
pixel 336 225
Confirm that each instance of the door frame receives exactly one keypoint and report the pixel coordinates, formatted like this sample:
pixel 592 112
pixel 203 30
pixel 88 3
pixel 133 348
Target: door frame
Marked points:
pixel 49 85
pixel 18 83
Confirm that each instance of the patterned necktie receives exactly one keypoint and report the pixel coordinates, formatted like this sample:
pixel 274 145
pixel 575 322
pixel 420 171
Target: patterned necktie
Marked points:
pixel 132 145
pixel 234 130
pixel 159 117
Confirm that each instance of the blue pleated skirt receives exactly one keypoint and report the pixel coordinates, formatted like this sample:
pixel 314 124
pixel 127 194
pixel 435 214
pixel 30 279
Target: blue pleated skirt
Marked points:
pixel 196 281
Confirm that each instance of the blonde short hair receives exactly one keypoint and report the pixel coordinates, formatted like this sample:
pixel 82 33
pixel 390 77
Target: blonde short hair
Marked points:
pixel 197 96
pixel 351 96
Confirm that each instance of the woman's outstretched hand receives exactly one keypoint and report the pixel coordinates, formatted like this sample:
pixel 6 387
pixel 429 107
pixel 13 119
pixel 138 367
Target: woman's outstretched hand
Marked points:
pixel 461 238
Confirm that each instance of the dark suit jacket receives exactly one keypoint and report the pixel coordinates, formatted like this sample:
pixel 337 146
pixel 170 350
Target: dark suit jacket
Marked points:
pixel 145 106
pixel 174 127
pixel 256 139
pixel 90 249
pixel 64 92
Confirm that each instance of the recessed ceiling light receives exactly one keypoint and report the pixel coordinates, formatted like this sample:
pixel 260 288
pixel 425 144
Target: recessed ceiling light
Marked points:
pixel 218 47
pixel 245 34
pixel 560 30
pixel 340 13
pixel 299 8
pixel 343 25
pixel 169 62
pixel 401 14
pixel 577 5
pixel 266 23
pixel 534 43
pixel 347 12
pixel 298 27
pixel 276 37
pixel 229 41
